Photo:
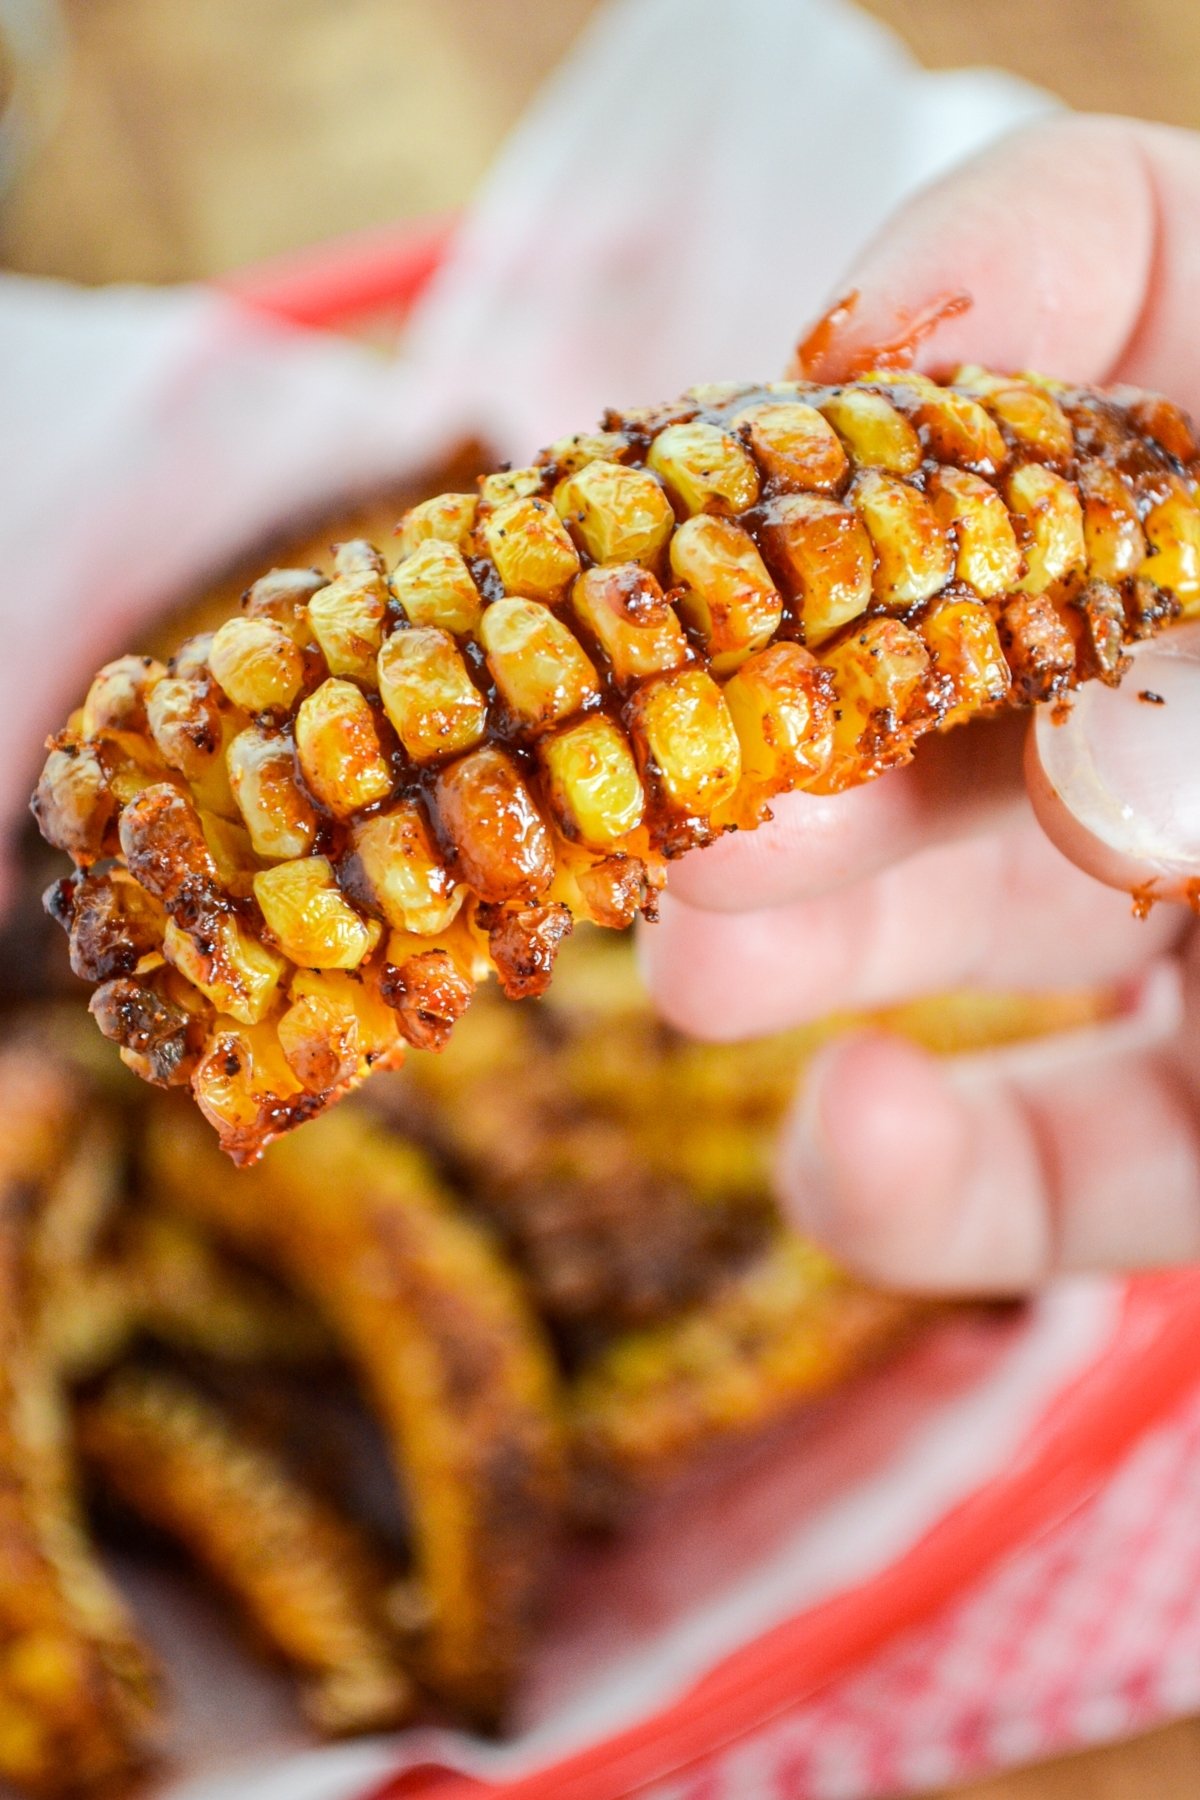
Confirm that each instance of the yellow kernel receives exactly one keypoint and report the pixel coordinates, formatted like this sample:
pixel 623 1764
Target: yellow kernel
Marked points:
pixel 728 595
pixel 232 852
pixel 965 646
pixel 116 700
pixel 446 519
pixel 875 434
pixel 262 773
pixel 257 664
pixel 618 515
pixel 879 674
pixel 1173 559
pixel 511 484
pixel 1054 517
pixel 631 618
pixel 704 469
pixel 987 557
pixel 347 619
pixel 540 670
pixel 435 587
pixel 796 446
pixel 338 747
pixel 779 701
pixel 336 1028
pixel 957 429
pixel 914 557
pixel 529 545
pixel 428 693
pixel 283 595
pixel 1026 408
pixel 819 552
pixel 592 782
pixel 310 918
pixel 1112 530
pixel 232 969
pixel 686 742
pixel 395 867
pixel 486 812
pixel 193 732
pixel 568 455
pixel 240 1082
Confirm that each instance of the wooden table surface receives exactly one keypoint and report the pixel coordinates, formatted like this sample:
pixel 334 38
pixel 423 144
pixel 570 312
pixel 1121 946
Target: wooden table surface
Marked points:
pixel 195 137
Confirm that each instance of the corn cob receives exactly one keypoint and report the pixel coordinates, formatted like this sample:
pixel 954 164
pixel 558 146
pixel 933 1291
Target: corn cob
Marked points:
pixel 301 843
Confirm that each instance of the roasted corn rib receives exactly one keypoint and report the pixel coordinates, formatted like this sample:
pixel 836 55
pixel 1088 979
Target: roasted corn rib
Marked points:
pixel 300 844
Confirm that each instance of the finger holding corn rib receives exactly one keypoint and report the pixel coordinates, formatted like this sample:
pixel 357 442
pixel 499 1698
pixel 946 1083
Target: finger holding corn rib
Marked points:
pixel 302 844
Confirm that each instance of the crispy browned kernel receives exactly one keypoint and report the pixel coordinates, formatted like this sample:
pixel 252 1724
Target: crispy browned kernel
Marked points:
pixel 158 1036
pixel 704 469
pixel 875 434
pixel 240 975
pixel 631 618
pixel 394 869
pixel 430 994
pixel 262 773
pixel 795 444
pixel 524 942
pixel 1096 619
pixel 986 555
pixel 539 668
pixel 428 693
pixel 914 558
pixel 686 744
pixel 486 814
pixel 435 587
pixel 163 843
pixel 727 593
pixel 310 919
pixel 1038 646
pixel 819 552
pixel 338 747
pixel 74 804
pixel 257 664
pixel 616 890
pixel 529 545
pixel 592 782
pixel 616 514
pixel 781 703
pixel 116 700
pixel 113 923
pixel 879 675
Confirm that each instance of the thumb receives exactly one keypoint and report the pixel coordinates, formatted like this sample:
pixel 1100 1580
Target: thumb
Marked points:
pixel 1115 783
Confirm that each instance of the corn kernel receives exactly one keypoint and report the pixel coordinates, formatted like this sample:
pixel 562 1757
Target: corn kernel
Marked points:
pixel 74 804
pixel 511 484
pixel 957 429
pixel 319 1038
pixel 1173 559
pixel 338 747
pixel 193 733
pixel 965 647
pixel 568 455
pixel 686 742
pixel 240 1084
pixel 283 596
pixel 879 675
pixel 435 587
pixel 914 557
pixel 163 843
pixel 986 557
pixel 232 969
pixel 354 996
pixel 529 545
pixel 819 552
pixel 704 469
pixel 310 918
pixel 428 693
pixel 257 664
pixel 1112 530
pixel 874 433
pixel 592 782
pixel 728 595
pixel 395 868
pixel 116 699
pixel 486 813
pixel 539 669
pixel 797 447
pixel 262 773
pixel 446 519
pixel 1054 517
pixel 631 618
pixel 1027 409
pixel 232 852
pixel 616 514
pixel 348 619
pixel 780 704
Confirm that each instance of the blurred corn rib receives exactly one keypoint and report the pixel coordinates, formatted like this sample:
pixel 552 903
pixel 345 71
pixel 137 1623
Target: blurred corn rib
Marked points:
pixel 302 843
pixel 304 1579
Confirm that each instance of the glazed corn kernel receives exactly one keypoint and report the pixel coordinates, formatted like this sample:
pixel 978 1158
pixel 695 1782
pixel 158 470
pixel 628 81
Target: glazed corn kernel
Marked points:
pixel 446 519
pixel 499 842
pixel 592 783
pixel 396 870
pixel 795 446
pixel 1112 530
pixel 704 469
pixel 879 674
pixel 686 743
pixel 116 700
pixel 1173 558
pixel 820 553
pixel 875 434
pixel 727 595
pixel 257 664
pixel 1031 416
pixel 954 428
pixel 428 693
pixel 626 611
pixel 511 484
pixel 74 804
pixel 781 704
pixel 280 819
pixel 568 455
pixel 616 514
pixel 283 596
pixel 229 966
pixel 529 545
pixel 914 557
pixel 986 555
pixel 309 917
pixel 337 744
pixel 1053 518
pixel 435 587
pixel 963 643
pixel 540 671
pixel 232 852
pixel 348 619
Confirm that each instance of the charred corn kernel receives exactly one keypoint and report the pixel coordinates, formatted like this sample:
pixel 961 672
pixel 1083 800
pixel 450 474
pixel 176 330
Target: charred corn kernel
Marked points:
pixel 539 669
pixel 486 814
pixel 338 749
pixel 879 674
pixel 1054 519
pixel 914 557
pixel 592 782
pixel 704 469
pixel 1112 530
pixel 446 519
pixel 257 664
pixel 529 545
pixel 820 553
pixel 395 867
pixel 780 702
pixel 116 700
pixel 1027 410
pixel 631 618
pixel 568 455
pixel 1173 559
pixel 795 446
pixel 686 743
pixel 192 733
pixel 435 587
pixel 428 693
pixel 965 647
pixel 348 619
pixel 986 555
pixel 875 434
pixel 262 773
pixel 310 918
pixel 232 852
pixel 728 595
pixel 511 484
pixel 617 514
pixel 74 804
pixel 230 967
pixel 283 595
pixel 163 843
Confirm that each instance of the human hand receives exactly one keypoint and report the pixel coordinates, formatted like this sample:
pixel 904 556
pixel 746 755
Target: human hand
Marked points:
pixel 1079 242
